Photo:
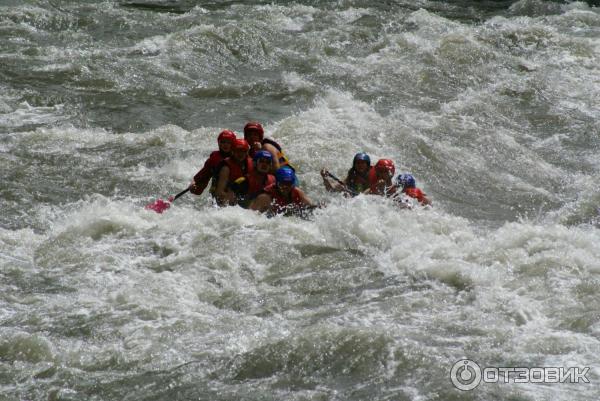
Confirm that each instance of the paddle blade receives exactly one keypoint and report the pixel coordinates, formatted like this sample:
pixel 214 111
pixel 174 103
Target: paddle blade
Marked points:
pixel 159 206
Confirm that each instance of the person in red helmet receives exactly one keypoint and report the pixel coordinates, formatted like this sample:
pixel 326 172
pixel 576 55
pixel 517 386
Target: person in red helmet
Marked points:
pixel 238 165
pixel 255 135
pixel 210 170
pixel 380 178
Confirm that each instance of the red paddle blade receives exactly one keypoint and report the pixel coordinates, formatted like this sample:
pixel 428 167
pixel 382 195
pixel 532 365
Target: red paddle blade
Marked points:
pixel 159 206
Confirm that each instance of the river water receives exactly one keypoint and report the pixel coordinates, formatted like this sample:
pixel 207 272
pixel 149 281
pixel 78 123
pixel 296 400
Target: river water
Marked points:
pixel 105 106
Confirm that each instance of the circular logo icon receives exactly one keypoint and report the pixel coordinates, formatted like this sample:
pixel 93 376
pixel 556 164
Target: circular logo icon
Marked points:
pixel 465 375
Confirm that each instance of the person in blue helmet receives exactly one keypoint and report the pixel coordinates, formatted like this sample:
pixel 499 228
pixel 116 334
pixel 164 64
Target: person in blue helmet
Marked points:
pixel 248 187
pixel 357 179
pixel 409 187
pixel 283 196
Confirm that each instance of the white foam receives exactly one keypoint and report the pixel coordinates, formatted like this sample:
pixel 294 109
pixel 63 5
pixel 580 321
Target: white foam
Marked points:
pixel 26 114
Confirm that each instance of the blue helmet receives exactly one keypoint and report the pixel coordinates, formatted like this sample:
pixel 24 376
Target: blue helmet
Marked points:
pixel 406 181
pixel 263 154
pixel 361 156
pixel 285 174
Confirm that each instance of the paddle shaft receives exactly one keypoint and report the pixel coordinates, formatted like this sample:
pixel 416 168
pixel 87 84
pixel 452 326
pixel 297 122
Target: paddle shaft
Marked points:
pixel 341 183
pixel 181 193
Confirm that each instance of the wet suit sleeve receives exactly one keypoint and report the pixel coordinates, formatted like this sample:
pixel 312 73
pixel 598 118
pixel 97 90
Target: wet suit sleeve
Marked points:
pixel 202 177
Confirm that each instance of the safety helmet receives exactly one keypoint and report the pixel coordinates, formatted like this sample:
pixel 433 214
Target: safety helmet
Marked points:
pixel 386 164
pixel 263 154
pixel 285 174
pixel 253 127
pixel 227 135
pixel 406 181
pixel 361 156
pixel 240 144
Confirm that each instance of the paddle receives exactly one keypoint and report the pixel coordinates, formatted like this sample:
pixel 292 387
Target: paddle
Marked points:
pixel 350 191
pixel 160 205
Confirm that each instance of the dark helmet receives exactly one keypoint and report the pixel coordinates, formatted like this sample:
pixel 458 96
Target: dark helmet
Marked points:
pixel 361 156
pixel 285 174
pixel 406 181
pixel 263 154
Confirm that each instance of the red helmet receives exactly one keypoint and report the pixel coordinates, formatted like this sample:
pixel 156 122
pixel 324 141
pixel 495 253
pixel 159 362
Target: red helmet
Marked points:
pixel 253 127
pixel 226 135
pixel 386 164
pixel 240 144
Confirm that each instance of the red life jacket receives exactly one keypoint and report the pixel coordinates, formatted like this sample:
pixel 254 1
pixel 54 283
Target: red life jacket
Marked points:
pixel 391 190
pixel 415 193
pixel 237 170
pixel 281 203
pixel 256 185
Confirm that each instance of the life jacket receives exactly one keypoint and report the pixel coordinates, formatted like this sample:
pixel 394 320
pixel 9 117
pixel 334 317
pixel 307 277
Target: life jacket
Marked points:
pixel 280 203
pixel 281 157
pixel 415 193
pixel 237 170
pixel 358 182
pixel 257 184
pixel 248 188
pixel 211 164
pixel 216 160
pixel 391 190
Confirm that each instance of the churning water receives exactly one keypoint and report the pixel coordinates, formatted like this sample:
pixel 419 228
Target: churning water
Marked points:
pixel 494 106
